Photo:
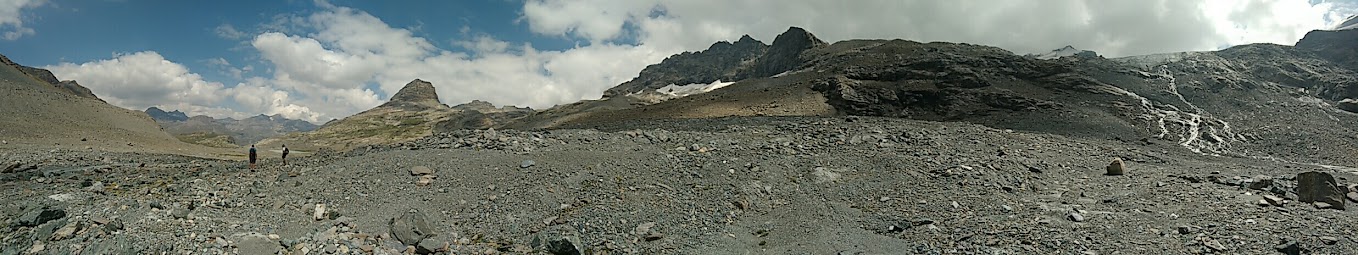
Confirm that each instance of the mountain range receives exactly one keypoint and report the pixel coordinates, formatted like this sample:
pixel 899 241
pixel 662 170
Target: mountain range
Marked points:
pixel 226 132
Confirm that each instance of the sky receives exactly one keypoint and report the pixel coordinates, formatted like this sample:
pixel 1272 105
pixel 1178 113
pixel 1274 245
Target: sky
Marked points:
pixel 320 60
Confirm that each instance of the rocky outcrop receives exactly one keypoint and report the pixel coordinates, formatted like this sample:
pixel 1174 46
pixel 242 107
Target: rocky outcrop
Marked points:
pixel 719 62
pixel 74 88
pixel 417 95
pixel 1333 45
pixel 745 59
pixel 784 55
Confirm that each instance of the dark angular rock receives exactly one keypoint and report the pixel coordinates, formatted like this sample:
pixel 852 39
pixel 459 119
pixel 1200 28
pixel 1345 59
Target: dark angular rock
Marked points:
pixel 1319 187
pixel 39 216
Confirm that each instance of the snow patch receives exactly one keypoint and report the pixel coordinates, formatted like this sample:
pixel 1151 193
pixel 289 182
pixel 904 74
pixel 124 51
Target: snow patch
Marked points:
pixel 691 89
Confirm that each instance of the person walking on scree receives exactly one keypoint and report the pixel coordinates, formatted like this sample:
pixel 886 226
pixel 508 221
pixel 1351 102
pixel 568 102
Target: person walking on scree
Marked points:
pixel 253 156
pixel 285 154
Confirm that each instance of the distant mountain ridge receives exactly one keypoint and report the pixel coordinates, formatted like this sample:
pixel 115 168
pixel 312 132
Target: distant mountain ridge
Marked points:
pixel 412 113
pixel 241 132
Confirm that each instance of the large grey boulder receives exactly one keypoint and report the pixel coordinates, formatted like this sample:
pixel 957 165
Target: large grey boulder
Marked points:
pixel 1315 187
pixel 411 227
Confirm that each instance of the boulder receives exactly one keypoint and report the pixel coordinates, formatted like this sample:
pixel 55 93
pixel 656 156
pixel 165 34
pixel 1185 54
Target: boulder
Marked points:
pixel 411 227
pixel 39 216
pixel 1319 187
pixel 1349 104
pixel 1261 182
pixel 1117 167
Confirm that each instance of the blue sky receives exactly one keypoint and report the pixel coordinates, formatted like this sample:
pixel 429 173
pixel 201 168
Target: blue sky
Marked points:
pixel 318 60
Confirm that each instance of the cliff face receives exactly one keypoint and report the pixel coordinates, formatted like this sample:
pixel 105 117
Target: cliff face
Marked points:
pixel 746 58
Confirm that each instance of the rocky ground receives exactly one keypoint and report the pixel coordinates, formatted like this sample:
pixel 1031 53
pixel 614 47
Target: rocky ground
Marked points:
pixel 750 185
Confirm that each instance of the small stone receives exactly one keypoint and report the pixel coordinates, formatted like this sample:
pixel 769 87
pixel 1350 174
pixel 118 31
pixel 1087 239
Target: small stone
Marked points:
pixel 643 228
pixel 526 164
pixel 653 236
pixel 319 213
pixel 180 213
pixel 1324 205
pixel 425 180
pixel 1289 247
pixel 113 225
pixel 1260 182
pixel 421 170
pixel 1185 229
pixel 427 246
pixel 366 248
pixel 1353 196
pixel 1273 200
pixel 1117 167
pixel 67 231
pixel 37 247
pixel 883 199
pixel 1214 245
pixel 257 244
pixel 1329 240
pixel 1076 217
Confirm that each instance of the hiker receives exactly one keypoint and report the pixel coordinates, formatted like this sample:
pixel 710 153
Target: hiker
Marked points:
pixel 285 154
pixel 252 157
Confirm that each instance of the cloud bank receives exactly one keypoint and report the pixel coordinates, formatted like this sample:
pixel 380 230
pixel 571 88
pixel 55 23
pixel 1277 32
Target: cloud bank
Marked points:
pixel 339 60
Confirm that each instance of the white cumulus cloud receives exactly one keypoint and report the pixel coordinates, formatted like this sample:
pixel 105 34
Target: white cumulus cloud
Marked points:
pixel 11 23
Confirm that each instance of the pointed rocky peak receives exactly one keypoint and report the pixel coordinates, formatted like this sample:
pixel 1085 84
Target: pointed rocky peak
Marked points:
pixel 784 55
pixel 746 39
pixel 796 38
pixel 418 94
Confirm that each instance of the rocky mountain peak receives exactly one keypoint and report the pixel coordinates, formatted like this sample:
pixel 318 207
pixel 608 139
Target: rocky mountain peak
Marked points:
pixel 796 38
pixel 746 39
pixel 785 53
pixel 418 94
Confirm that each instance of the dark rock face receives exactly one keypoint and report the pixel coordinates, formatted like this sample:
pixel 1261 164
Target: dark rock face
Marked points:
pixel 745 59
pixel 161 115
pixel 784 55
pixel 75 88
pixel 416 95
pixel 1337 46
pixel 1315 187
pixel 719 62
